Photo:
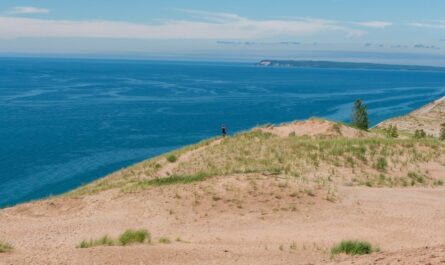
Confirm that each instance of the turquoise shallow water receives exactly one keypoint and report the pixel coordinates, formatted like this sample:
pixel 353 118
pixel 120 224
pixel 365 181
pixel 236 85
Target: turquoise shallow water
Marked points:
pixel 67 122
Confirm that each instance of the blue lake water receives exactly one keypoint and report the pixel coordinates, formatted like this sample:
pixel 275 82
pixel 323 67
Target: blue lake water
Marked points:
pixel 65 122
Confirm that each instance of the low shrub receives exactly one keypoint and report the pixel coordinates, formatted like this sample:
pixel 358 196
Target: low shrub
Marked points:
pixel 172 158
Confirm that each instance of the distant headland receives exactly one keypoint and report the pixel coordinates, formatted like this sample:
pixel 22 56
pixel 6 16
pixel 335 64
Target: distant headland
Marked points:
pixel 346 65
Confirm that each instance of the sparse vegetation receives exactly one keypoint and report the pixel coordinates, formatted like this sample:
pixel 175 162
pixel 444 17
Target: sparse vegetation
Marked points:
pixel 5 247
pixel 416 178
pixel 381 163
pixel 134 236
pixel 128 237
pixel 103 241
pixel 438 182
pixel 337 128
pixel 352 247
pixel 164 240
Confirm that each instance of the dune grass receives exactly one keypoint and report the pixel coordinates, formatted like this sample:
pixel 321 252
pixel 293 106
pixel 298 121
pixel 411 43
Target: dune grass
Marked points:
pixel 5 247
pixel 256 151
pixel 128 237
pixel 352 247
pixel 134 236
pixel 103 241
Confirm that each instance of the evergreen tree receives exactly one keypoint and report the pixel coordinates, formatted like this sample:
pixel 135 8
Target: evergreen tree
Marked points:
pixel 360 116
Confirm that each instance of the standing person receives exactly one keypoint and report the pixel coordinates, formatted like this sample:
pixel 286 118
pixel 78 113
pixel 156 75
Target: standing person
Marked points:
pixel 223 131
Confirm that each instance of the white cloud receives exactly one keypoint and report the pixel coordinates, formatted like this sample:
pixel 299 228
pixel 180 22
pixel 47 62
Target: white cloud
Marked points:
pixel 28 10
pixel 439 24
pixel 205 25
pixel 374 24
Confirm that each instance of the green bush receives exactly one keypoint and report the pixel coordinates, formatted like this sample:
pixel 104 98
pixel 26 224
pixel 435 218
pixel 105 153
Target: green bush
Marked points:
pixel 5 247
pixel 352 247
pixel 172 158
pixel 134 236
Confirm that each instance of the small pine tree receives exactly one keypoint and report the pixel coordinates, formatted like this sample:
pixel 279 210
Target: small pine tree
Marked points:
pixel 360 115
pixel 442 132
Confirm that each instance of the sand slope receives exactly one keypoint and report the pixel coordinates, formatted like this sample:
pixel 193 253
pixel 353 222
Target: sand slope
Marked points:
pixel 261 231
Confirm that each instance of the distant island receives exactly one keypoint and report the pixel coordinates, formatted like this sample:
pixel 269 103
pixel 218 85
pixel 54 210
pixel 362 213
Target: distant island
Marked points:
pixel 345 65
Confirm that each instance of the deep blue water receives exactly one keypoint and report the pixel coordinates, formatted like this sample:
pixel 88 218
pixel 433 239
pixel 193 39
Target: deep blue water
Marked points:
pixel 67 122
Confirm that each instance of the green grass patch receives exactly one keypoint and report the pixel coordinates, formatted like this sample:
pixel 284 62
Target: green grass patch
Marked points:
pixel 177 180
pixel 172 158
pixel 5 247
pixel 103 241
pixel 134 236
pixel 352 247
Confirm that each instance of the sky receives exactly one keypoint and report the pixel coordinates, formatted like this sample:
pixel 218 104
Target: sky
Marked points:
pixel 228 30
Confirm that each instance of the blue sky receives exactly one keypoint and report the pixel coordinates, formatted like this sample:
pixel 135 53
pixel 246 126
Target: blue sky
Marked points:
pixel 245 29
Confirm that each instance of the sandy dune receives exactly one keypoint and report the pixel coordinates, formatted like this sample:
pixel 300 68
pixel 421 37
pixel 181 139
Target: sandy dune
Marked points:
pixel 239 228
